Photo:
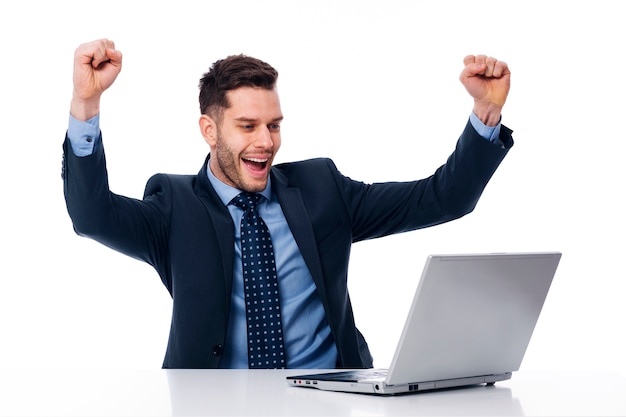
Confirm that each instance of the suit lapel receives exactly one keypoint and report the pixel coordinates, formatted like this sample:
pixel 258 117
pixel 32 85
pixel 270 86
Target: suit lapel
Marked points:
pixel 300 225
pixel 222 223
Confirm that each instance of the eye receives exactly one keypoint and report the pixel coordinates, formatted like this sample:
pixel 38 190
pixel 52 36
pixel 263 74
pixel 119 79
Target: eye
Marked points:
pixel 274 127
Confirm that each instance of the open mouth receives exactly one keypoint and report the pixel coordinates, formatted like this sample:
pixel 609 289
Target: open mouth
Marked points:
pixel 256 164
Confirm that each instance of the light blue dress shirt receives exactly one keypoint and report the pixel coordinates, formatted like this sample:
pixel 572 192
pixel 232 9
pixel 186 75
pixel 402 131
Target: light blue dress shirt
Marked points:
pixel 308 339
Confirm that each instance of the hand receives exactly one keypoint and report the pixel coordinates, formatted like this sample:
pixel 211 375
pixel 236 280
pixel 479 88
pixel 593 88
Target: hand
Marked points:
pixel 488 81
pixel 96 66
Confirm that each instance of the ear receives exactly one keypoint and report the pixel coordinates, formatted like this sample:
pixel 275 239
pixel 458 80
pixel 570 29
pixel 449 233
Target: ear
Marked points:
pixel 208 129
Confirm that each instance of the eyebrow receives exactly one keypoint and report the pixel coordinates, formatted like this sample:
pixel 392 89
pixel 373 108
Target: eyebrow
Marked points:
pixel 249 119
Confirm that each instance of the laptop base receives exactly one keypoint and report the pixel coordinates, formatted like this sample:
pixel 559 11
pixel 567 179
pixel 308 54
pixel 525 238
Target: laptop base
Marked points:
pixel 336 381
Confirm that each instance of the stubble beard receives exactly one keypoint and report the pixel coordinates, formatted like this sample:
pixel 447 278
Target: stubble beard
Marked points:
pixel 229 163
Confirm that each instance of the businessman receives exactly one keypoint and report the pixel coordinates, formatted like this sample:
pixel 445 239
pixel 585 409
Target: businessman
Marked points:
pixel 255 255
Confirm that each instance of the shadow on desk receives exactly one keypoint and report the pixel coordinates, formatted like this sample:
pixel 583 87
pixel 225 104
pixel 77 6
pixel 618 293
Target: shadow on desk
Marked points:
pixel 265 392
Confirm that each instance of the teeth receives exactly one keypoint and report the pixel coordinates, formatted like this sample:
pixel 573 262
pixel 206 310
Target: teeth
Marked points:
pixel 256 160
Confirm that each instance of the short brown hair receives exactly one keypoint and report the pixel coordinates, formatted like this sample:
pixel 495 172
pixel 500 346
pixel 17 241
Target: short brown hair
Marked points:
pixel 229 74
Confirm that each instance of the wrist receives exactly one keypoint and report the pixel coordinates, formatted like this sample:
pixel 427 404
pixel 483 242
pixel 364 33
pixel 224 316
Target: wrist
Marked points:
pixel 84 110
pixel 489 114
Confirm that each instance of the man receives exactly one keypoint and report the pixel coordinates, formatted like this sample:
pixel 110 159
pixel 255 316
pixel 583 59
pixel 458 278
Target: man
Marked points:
pixel 191 229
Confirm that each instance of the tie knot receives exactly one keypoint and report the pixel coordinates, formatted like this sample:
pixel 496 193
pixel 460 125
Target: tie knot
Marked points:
pixel 246 200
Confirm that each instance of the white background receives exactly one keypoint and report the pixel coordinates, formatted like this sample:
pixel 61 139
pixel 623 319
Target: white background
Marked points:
pixel 373 85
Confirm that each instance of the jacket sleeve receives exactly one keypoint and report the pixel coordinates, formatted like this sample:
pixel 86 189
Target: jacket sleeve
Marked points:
pixel 451 192
pixel 137 228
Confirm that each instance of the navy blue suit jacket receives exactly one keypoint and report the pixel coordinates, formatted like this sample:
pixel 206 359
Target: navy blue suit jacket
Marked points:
pixel 183 230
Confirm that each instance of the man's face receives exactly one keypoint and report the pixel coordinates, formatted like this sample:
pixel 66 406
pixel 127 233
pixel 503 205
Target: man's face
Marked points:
pixel 245 141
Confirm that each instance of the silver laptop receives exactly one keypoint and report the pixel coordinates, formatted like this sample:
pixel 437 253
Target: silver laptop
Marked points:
pixel 470 323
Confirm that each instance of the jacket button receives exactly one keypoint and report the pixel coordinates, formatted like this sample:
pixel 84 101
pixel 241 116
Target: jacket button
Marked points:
pixel 217 350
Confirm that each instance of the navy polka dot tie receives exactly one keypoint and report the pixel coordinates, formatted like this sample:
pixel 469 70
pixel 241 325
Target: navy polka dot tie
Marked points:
pixel 265 336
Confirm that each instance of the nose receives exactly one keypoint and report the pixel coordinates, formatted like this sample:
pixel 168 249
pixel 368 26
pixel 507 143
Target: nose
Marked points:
pixel 264 138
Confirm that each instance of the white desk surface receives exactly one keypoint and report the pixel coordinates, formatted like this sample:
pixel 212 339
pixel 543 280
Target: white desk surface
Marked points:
pixel 241 392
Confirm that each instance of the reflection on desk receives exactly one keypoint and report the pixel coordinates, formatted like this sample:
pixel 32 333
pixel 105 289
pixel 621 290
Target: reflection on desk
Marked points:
pixel 265 392
pixel 255 393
